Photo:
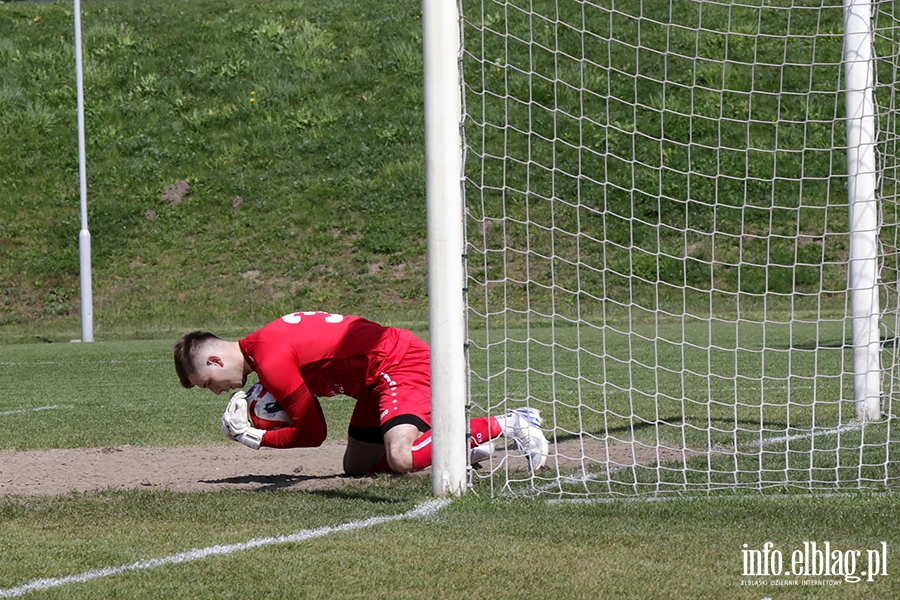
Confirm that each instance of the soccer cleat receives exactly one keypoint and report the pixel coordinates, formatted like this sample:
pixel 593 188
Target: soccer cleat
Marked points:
pixel 531 415
pixel 481 453
pixel 524 426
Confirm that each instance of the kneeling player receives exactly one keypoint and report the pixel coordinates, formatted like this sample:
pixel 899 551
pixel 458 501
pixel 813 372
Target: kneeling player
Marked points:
pixel 305 356
pixel 256 419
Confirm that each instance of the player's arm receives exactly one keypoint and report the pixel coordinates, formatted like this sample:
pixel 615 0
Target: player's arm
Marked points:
pixel 308 428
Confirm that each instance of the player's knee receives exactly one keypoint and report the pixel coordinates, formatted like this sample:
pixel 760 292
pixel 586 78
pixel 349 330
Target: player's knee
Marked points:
pixel 398 444
pixel 400 459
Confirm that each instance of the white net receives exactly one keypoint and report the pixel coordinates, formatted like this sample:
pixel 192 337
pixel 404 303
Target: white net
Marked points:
pixel 658 244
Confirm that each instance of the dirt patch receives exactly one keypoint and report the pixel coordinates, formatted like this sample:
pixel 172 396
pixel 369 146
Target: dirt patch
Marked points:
pixel 212 468
pixel 186 468
pixel 176 192
pixel 615 454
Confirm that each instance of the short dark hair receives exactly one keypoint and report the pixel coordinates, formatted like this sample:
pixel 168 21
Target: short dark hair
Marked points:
pixel 186 349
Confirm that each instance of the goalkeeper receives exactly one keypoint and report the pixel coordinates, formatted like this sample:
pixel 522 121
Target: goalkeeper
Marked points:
pixel 305 356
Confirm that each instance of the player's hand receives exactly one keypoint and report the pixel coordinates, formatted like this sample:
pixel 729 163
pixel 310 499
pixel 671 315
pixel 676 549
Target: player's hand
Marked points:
pixel 236 418
pixel 252 438
pixel 236 422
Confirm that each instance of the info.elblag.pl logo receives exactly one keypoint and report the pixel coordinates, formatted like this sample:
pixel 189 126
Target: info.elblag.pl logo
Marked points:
pixel 816 560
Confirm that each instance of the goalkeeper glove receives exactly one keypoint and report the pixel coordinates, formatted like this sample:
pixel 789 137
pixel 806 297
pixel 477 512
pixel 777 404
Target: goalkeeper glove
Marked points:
pixel 236 423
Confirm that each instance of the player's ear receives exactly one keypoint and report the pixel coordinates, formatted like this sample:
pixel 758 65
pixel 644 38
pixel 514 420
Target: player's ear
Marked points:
pixel 214 360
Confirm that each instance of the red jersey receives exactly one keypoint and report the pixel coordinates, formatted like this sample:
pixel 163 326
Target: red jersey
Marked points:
pixel 307 355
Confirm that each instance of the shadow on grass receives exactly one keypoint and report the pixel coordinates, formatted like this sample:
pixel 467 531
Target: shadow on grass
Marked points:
pixel 674 421
pixel 358 493
pixel 346 487
pixel 274 482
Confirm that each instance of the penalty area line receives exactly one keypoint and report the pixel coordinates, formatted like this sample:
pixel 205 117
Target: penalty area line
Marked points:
pixel 426 509
pixel 27 410
pixel 808 435
pixel 754 444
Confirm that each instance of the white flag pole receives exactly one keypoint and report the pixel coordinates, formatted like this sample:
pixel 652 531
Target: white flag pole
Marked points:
pixel 84 236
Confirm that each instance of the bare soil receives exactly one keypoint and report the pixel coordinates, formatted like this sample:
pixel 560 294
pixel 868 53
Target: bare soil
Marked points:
pixel 184 468
pixel 210 468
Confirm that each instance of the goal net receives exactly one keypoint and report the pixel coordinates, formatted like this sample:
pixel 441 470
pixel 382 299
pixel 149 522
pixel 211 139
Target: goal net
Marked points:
pixel 681 241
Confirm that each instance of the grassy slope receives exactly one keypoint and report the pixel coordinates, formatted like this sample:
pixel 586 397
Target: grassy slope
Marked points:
pixel 695 145
pixel 298 129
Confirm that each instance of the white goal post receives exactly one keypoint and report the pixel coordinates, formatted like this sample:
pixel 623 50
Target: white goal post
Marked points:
pixel 446 313
pixel 859 66
pixel 680 241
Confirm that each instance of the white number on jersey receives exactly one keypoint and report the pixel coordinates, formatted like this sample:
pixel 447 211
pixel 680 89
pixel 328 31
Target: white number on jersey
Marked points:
pixel 294 318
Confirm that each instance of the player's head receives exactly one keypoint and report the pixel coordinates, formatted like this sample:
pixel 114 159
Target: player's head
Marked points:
pixel 207 361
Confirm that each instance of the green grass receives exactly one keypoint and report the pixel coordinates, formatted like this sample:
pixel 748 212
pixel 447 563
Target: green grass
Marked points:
pixel 766 406
pixel 111 393
pixel 636 151
pixel 678 549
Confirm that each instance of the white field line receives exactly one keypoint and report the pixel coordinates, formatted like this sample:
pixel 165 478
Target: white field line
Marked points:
pixel 587 477
pixel 27 410
pixel 802 436
pixel 699 391
pixel 426 509
pixel 105 361
pixel 712 498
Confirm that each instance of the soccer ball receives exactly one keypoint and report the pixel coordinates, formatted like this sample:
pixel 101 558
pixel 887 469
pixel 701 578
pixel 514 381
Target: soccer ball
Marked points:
pixel 264 410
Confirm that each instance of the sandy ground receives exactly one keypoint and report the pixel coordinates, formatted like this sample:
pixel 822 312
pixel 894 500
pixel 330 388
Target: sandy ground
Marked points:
pixel 185 468
pixel 210 468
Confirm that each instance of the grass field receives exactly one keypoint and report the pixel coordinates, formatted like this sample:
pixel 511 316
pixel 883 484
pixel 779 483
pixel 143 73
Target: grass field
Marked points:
pixel 111 393
pixel 771 415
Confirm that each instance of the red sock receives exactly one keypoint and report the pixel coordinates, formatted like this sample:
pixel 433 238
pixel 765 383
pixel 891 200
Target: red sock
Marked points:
pixel 484 429
pixel 421 451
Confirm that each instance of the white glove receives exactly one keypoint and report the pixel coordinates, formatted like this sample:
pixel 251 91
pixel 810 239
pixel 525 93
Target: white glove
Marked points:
pixel 236 423
pixel 236 419
pixel 252 438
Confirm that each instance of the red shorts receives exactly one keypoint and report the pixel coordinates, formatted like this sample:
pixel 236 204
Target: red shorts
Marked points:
pixel 402 394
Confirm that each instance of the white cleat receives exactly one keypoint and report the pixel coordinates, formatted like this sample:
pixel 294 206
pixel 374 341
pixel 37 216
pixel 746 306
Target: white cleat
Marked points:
pixel 524 426
pixel 481 453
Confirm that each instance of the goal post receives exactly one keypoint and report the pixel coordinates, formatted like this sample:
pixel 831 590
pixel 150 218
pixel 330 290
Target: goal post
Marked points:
pixel 446 245
pixel 681 237
pixel 859 66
